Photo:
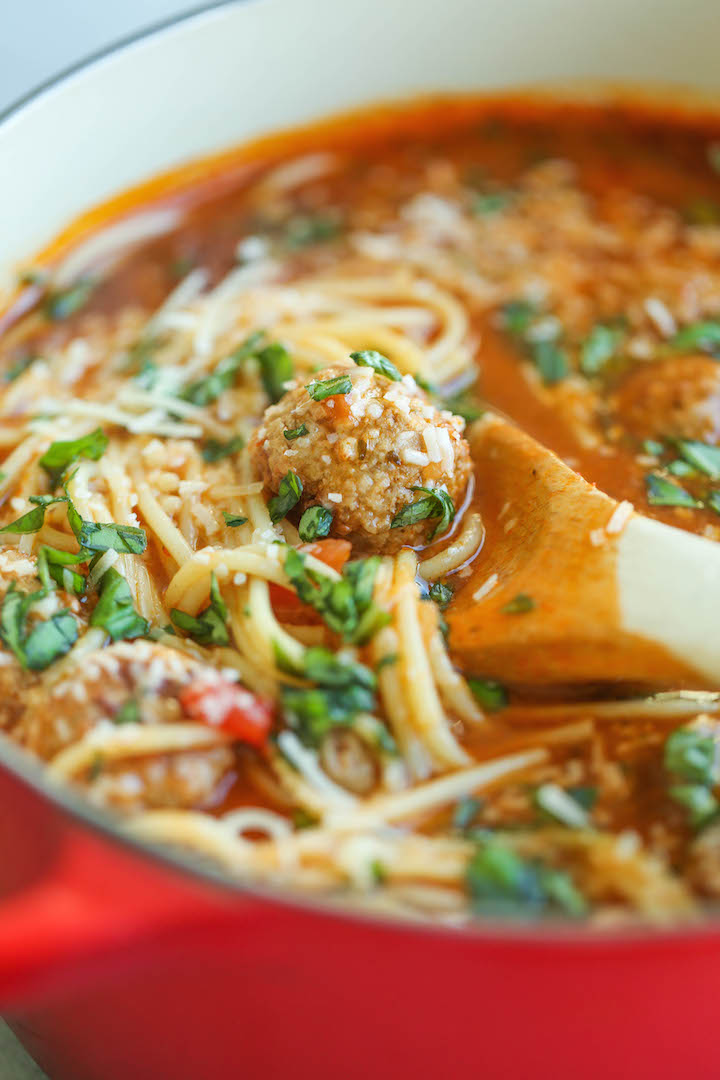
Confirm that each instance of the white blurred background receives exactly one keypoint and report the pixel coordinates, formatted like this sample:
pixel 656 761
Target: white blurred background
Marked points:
pixel 39 38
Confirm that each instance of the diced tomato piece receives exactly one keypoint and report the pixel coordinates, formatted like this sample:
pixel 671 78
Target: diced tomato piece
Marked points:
pixel 230 707
pixel 332 552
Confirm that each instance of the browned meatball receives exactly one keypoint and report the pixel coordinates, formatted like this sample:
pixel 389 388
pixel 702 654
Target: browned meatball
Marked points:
pixel 361 454
pixel 678 398
pixel 138 681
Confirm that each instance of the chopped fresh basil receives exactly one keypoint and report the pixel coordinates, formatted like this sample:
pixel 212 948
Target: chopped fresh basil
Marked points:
pixel 662 492
pixel 114 611
pixel 698 800
pixel 517 315
pixel 289 493
pixel 55 565
pixel 491 202
pixel 343 689
pixel 441 594
pixel 378 362
pixel 386 661
pixel 31 522
pixel 502 883
pixel 701 456
pixel 233 522
pixel 325 388
pixel 295 433
pixel 465 405
pixel 561 806
pixel 550 360
pixel 63 303
pixel 60 455
pixel 599 347
pixel 346 605
pixel 703 335
pixel 106 536
pixel 519 605
pixel 16 370
pixel 209 626
pixel 315 523
pixel 489 694
pixel 276 370
pixel 34 644
pixel 712 501
pixel 141 362
pixel 692 756
pixel 304 230
pixel 436 503
pixel 214 450
pixel 653 447
pixel 208 389
pixel 128 713
pixel 680 468
pixel 465 812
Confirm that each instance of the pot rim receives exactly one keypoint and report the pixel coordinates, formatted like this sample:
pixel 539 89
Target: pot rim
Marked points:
pixel 17 761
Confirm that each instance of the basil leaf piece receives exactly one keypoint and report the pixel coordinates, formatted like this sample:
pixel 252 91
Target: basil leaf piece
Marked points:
pixel 491 202
pixel 233 522
pixel 209 626
pixel 436 504
pixel 214 450
pixel 296 433
pixel 502 883
pixel 98 536
pixel 128 713
pixel 49 640
pixel 713 501
pixel 344 689
pixel 441 594
pixel 115 612
pixel 45 641
pixel 289 494
pixel 662 492
pixel 60 455
pixel 701 456
pixel 488 693
pixel 379 363
pixel 698 800
pixel 346 605
pixel 680 468
pixel 551 361
pixel 325 388
pixel 519 605
pixel 34 519
pixel 315 524
pixel 208 389
pixel 304 230
pixel 517 315
pixel 599 347
pixel 703 335
pixel 16 370
pixel 691 755
pixel 64 303
pixel 54 564
pixel 465 812
pixel 465 405
pixel 653 447
pixel 276 370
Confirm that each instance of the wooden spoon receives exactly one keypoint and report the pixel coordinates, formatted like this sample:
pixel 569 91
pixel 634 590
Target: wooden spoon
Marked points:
pixel 616 597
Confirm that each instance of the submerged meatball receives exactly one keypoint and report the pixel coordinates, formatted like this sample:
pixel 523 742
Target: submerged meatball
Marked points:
pixel 138 681
pixel 677 398
pixel 361 454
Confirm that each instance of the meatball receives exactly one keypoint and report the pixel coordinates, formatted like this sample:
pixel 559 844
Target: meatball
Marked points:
pixel 137 681
pixel 361 454
pixel 677 398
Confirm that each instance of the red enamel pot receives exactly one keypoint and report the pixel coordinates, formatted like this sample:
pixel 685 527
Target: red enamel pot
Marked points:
pixel 119 962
